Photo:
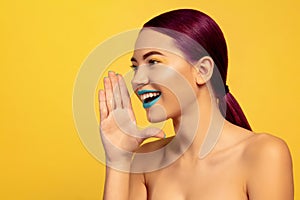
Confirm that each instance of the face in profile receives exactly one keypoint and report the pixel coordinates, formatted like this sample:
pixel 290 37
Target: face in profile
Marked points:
pixel 164 80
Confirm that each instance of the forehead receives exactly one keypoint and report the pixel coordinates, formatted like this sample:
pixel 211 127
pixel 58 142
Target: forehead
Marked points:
pixel 150 39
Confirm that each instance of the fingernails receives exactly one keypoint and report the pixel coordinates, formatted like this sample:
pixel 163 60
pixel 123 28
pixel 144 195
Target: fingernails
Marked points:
pixel 111 72
pixel 105 79
pixel 165 136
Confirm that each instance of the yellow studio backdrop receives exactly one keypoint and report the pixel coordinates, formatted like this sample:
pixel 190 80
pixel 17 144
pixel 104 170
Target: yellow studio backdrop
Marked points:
pixel 44 43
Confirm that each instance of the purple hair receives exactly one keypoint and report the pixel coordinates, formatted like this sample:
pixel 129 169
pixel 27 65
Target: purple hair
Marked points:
pixel 204 30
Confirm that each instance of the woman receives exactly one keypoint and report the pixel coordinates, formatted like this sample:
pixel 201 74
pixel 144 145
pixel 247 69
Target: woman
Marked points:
pixel 180 63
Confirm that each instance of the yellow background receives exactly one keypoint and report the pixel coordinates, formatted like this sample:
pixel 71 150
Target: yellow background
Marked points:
pixel 43 44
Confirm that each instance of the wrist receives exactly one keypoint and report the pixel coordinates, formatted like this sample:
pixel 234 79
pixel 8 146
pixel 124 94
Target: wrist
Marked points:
pixel 120 162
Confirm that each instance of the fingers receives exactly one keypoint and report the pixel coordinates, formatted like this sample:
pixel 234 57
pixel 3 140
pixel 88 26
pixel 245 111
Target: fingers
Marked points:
pixel 116 94
pixel 153 132
pixel 102 105
pixel 161 134
pixel 126 102
pixel 124 93
pixel 109 97
pixel 115 89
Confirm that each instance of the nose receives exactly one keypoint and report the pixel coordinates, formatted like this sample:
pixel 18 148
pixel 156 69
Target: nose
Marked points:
pixel 140 77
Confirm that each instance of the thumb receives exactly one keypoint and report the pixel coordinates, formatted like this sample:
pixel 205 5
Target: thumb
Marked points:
pixel 153 132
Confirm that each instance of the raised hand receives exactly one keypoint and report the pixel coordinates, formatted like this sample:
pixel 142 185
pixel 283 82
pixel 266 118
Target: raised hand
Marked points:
pixel 119 133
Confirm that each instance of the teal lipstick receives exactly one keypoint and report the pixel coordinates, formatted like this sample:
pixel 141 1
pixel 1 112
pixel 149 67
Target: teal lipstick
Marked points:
pixel 148 104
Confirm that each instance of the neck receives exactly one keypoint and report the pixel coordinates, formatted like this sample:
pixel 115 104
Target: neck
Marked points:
pixel 198 132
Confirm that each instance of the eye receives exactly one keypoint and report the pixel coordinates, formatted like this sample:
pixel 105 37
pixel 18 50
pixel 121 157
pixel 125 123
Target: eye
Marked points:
pixel 134 67
pixel 153 61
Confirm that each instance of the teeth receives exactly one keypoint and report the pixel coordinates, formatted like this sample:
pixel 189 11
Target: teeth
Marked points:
pixel 147 95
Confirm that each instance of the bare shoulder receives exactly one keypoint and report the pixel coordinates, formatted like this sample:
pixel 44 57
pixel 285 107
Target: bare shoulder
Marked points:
pixel 269 168
pixel 155 145
pixel 262 147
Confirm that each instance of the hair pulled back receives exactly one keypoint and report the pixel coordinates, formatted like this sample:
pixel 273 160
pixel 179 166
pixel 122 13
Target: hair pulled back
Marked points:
pixel 204 30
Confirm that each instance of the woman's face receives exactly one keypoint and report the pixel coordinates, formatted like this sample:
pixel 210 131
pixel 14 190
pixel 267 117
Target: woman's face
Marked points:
pixel 163 80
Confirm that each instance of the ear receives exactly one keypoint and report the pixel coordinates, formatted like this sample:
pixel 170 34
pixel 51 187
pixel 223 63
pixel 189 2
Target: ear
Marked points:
pixel 204 70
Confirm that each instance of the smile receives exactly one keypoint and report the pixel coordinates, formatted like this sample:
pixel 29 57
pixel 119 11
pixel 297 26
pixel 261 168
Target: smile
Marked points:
pixel 149 97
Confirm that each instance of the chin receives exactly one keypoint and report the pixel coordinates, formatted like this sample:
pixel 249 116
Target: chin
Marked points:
pixel 156 114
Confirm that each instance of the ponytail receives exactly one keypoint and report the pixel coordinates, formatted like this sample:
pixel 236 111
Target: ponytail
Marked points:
pixel 234 112
pixel 203 31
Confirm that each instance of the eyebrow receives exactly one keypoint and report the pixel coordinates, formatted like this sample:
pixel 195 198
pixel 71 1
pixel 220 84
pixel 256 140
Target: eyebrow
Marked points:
pixel 147 55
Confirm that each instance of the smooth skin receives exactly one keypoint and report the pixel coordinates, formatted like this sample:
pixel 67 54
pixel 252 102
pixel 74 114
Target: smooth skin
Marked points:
pixel 242 165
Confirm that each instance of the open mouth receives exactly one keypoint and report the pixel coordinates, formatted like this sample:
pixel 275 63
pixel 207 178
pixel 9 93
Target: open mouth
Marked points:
pixel 149 97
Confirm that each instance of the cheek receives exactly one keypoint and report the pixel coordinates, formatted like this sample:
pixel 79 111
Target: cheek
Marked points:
pixel 187 73
pixel 170 101
pixel 179 88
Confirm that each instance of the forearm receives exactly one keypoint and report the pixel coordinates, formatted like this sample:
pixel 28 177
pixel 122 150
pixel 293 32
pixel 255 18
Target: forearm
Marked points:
pixel 117 182
pixel 116 185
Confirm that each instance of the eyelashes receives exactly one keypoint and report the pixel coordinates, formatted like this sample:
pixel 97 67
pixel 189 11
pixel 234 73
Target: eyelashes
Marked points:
pixel 133 67
pixel 153 61
pixel 150 63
